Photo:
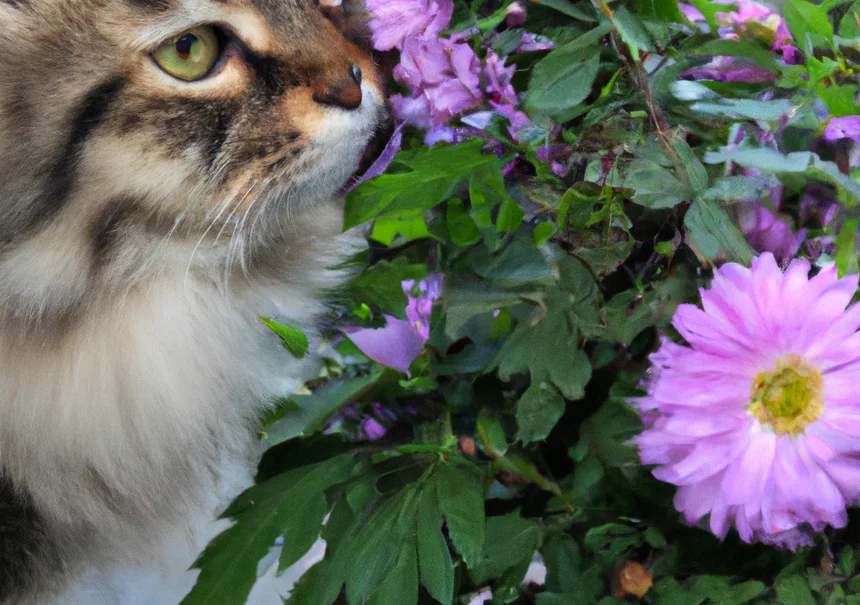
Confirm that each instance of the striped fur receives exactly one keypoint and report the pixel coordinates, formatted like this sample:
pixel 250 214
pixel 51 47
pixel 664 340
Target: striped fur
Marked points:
pixel 145 224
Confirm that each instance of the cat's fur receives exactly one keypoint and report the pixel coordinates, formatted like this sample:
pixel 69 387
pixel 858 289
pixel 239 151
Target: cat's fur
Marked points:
pixel 145 224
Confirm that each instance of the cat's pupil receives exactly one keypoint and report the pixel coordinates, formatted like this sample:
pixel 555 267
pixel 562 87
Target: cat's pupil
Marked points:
pixel 184 45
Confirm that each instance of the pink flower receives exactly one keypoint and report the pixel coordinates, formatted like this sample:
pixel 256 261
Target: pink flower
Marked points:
pixel 758 417
pixel 515 14
pixel 392 22
pixel 400 341
pixel 842 128
pixel 691 12
pixel 443 74
pixel 767 232
pixel 499 87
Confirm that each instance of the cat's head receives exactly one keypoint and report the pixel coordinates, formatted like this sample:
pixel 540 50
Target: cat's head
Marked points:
pixel 194 114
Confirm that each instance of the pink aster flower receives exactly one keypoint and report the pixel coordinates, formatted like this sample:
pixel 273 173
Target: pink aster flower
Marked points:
pixel 757 416
pixel 392 22
pixel 400 341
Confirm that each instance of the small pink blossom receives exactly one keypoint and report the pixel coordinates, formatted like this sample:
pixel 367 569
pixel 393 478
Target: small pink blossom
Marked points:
pixel 842 128
pixel 443 74
pixel 400 341
pixel 392 22
pixel 767 232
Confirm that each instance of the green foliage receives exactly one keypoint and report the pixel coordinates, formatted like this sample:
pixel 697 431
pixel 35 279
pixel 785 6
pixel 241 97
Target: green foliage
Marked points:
pixel 512 433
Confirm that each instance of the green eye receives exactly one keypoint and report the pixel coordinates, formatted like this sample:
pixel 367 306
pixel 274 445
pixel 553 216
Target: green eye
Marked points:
pixel 190 55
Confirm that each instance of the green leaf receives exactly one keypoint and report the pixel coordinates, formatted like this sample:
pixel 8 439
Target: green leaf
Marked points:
pixel 563 563
pixel 735 189
pixel 771 161
pixel 577 11
pixel 461 499
pixel 697 175
pixel 461 227
pixel 385 230
pixel 564 78
pixel 320 584
pixel 372 548
pixel 846 248
pixel 549 351
pixel 542 232
pixel 794 590
pixel 733 48
pixel 632 31
pixel 316 408
pixel 292 504
pixel 294 340
pixel 434 559
pixel 654 186
pixel 511 540
pixel 741 109
pixel 433 173
pixel 742 593
pixel 661 10
pixel 400 586
pixel 538 411
pixel 806 18
pixel 711 230
pixel 492 435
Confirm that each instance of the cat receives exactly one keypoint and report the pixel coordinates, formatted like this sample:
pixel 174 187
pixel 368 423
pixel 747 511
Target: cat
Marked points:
pixel 170 171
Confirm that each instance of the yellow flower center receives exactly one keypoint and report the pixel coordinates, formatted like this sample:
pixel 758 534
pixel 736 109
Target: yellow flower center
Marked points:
pixel 789 397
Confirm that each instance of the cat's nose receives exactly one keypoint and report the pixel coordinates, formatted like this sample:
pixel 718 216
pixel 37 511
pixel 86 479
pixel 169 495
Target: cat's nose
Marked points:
pixel 344 93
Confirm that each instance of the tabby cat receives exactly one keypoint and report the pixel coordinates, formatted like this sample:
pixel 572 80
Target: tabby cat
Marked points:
pixel 169 171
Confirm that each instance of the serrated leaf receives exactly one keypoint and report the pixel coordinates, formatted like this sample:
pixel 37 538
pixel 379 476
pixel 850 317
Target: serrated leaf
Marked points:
pixel 563 562
pixel 372 549
pixel 511 540
pixel 293 503
pixel 794 590
pixel 740 109
pixel 400 586
pixel 654 186
pixel 434 559
pixel 711 230
pixel 562 80
pixel 538 411
pixel 294 340
pixel 550 352
pixel 805 18
pixel 461 499
pixel 632 31
pixel 771 161
pixel 696 172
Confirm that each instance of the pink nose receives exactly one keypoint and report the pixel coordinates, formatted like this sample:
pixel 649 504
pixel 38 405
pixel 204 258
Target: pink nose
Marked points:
pixel 344 93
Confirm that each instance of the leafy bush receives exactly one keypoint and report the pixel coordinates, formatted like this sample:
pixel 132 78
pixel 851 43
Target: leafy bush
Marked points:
pixel 657 142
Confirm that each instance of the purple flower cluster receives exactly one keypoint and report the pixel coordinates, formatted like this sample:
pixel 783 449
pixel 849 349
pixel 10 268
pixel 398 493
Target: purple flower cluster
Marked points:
pixel 756 419
pixel 445 76
pixel 735 24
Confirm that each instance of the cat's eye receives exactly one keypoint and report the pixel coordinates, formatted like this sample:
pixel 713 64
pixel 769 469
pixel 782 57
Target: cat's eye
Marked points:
pixel 191 55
